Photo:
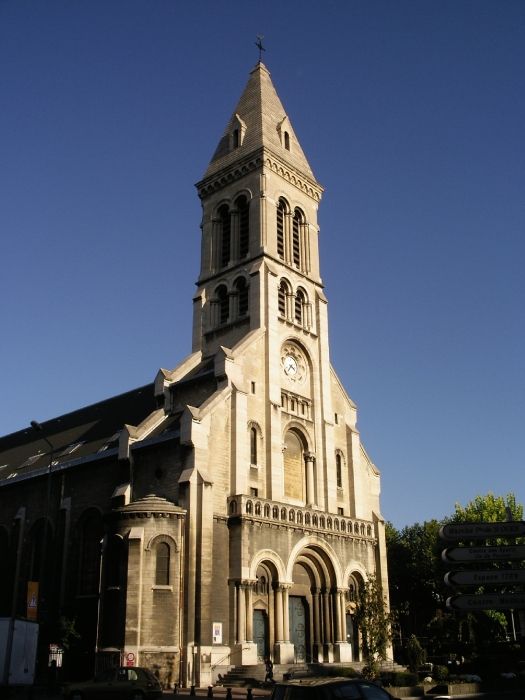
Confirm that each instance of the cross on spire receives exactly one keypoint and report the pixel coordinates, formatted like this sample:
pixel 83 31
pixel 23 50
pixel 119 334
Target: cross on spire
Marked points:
pixel 259 45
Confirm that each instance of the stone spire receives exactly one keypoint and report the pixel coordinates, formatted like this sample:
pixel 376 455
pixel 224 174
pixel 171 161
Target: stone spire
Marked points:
pixel 259 120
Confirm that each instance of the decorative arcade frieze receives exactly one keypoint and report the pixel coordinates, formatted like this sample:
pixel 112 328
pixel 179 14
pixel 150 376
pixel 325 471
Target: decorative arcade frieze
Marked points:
pixel 303 518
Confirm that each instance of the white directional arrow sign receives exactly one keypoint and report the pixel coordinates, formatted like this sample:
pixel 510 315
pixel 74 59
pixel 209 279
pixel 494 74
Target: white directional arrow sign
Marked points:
pixel 471 554
pixel 479 531
pixel 507 601
pixel 485 578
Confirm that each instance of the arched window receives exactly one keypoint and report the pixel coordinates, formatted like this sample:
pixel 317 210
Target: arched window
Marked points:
pixel 294 471
pixel 243 208
pixel 287 140
pixel 284 291
pixel 300 307
pixel 242 291
pixel 253 446
pixel 296 237
pixel 338 471
pixel 281 211
pixel 162 564
pixel 224 217
pixel 223 302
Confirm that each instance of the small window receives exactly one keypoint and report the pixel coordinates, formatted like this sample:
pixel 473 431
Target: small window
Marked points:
pixel 253 387
pixel 162 570
pixel 340 511
pixel 242 291
pixel 336 417
pixel 224 217
pixel 338 471
pixel 300 302
pixel 283 290
pixel 243 209
pixel 235 139
pixel 287 140
pixel 254 492
pixel 253 446
pixel 281 210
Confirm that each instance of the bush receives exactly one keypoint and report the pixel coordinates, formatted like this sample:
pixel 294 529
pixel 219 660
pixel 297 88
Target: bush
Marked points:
pixel 440 673
pixel 415 653
pixel 398 679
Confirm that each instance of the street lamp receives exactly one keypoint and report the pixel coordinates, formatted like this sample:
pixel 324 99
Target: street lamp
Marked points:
pixel 37 427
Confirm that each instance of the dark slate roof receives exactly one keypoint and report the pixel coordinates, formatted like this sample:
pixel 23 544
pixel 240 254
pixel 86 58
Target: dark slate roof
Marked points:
pixel 87 432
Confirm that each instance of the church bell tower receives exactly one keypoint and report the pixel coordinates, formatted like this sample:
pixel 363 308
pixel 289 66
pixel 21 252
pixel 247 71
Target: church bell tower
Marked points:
pixel 282 499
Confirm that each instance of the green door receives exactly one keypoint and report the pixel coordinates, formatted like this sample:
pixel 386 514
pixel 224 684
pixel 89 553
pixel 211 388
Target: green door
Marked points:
pixel 299 627
pixel 260 633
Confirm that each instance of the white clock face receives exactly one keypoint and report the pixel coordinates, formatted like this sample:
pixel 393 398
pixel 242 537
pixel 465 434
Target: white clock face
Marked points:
pixel 290 366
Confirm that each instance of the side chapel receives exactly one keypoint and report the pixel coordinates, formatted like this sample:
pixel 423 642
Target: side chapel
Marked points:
pixel 228 510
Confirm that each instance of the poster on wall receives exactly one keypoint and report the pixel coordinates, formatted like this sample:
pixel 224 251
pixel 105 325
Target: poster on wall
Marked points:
pixel 32 600
pixel 217 632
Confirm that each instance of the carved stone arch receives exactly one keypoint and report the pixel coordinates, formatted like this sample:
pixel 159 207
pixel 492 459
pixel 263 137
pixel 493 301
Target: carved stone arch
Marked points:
pixel 272 561
pixel 303 434
pixel 356 569
pixel 323 550
pixel 224 202
pixel 161 537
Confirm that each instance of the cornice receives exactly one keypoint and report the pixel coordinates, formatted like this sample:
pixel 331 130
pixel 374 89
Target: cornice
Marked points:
pixel 261 158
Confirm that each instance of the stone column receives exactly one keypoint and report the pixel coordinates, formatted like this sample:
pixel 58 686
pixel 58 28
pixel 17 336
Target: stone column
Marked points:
pixel 241 614
pixel 326 611
pixel 249 612
pixel 286 616
pixel 278 614
pixel 309 459
pixel 288 243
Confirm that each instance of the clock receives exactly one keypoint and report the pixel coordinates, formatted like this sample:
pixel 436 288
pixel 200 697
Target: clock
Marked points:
pixel 293 363
pixel 290 366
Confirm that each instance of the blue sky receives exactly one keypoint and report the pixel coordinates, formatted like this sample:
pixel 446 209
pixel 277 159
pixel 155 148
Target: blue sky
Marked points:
pixel 412 116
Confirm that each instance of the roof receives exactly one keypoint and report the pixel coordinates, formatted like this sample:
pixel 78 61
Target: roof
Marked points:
pixel 85 432
pixel 260 114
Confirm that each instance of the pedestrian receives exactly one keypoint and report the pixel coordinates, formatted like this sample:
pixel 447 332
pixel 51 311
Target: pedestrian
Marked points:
pixel 269 670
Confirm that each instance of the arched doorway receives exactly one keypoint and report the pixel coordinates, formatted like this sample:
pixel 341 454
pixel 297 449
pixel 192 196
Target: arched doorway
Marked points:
pixel 314 607
pixel 261 608
pixel 352 632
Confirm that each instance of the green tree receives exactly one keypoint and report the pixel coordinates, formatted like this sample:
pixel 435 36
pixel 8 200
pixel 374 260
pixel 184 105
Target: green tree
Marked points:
pixel 415 576
pixel 417 590
pixel 375 624
pixel 489 509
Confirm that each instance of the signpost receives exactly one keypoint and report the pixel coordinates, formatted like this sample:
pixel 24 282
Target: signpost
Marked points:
pixel 454 532
pixel 485 554
pixel 497 601
pixel 472 554
pixel 493 577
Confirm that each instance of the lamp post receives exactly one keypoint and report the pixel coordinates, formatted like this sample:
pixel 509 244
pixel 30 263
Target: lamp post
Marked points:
pixel 43 611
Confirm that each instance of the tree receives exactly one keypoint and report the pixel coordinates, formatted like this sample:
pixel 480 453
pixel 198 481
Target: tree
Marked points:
pixel 417 590
pixel 415 575
pixel 489 508
pixel 375 624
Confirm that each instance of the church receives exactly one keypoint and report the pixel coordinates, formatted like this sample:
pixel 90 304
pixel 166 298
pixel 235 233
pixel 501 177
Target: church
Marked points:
pixel 227 511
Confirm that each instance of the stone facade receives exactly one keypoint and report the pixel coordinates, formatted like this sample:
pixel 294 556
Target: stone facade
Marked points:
pixel 237 510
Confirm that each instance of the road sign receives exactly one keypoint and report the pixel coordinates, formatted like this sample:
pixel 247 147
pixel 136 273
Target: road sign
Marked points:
pixel 497 577
pixel 471 554
pixel 479 531
pixel 506 601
